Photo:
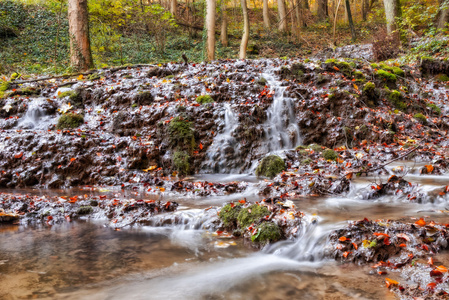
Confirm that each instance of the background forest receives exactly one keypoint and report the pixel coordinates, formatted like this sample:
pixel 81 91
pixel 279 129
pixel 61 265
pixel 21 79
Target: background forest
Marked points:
pixel 34 34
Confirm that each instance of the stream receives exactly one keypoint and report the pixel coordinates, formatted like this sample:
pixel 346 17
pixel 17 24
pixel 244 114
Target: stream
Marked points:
pixel 123 151
pixel 88 260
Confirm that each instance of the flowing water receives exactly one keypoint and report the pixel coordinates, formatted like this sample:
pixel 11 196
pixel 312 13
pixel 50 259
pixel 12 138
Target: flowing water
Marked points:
pixel 88 260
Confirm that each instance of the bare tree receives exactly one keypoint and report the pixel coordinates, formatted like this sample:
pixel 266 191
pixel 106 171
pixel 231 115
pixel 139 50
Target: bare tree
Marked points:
pixel 245 36
pixel 443 14
pixel 322 11
pixel 392 12
pixel 282 16
pixel 351 24
pixel 266 16
pixel 224 25
pixel 80 54
pixel 210 26
pixel 173 7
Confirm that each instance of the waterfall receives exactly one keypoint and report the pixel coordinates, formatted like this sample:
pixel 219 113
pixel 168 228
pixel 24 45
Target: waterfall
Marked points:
pixel 281 128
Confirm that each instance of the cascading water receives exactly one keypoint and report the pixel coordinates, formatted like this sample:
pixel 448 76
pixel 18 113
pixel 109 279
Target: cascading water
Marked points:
pixel 224 146
pixel 37 116
pixel 281 128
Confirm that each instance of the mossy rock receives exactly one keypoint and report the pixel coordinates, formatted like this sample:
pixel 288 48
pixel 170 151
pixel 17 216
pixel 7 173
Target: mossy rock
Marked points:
pixel 421 118
pixel 434 108
pixel 395 98
pixel 84 210
pixel 143 98
pixel 181 133
pixel 75 97
pixel 204 99
pixel 442 78
pixel 386 76
pixel 93 76
pixel 262 81
pixel 306 161
pixel 229 213
pixel 369 88
pixel 343 67
pixel 270 166
pixel 315 147
pixel 251 214
pixel 181 162
pixel 69 120
pixel 4 86
pixel 267 232
pixel 330 154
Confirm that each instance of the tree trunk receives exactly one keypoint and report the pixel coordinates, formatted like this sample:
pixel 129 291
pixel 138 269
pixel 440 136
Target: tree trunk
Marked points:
pixel 322 11
pixel 351 24
pixel 266 16
pixel 298 18
pixel 80 54
pixel 392 12
pixel 282 16
pixel 306 4
pixel 210 27
pixel 245 37
pixel 365 9
pixel 224 26
pixel 443 15
pixel 173 7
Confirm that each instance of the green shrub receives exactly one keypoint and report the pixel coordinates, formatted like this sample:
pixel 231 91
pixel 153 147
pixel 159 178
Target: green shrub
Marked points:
pixel 181 162
pixel 69 120
pixel 420 117
pixel 203 99
pixel 270 166
pixel 330 154
pixel 252 214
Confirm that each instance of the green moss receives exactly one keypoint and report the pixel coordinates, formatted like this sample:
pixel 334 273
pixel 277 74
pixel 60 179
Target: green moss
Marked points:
pixel 4 86
pixel 300 147
pixel 252 214
pixel 344 67
pixel 267 232
pixel 420 117
pixel 169 76
pixel 435 108
pixel 69 94
pixel 69 120
pixel 181 133
pixel 181 162
pixel 270 166
pixel 14 76
pixel 203 99
pixel 368 88
pixel 306 161
pixel 358 74
pixel 228 215
pixel 93 76
pixel 306 60
pixel 395 98
pixel 315 147
pixel 262 81
pixel 442 78
pixel 385 75
pixel 330 154
pixel 398 71
pixel 84 210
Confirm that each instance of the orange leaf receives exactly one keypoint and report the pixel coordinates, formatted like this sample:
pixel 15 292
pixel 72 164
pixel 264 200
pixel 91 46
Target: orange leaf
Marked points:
pixel 336 69
pixel 18 155
pixel 442 269
pixel 201 146
pixel 420 222
pixel 242 201
pixel 349 175
pixel 390 282
pixel 346 253
pixel 429 168
pixel 72 159
pixel 381 234
pixel 343 239
pixel 355 246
